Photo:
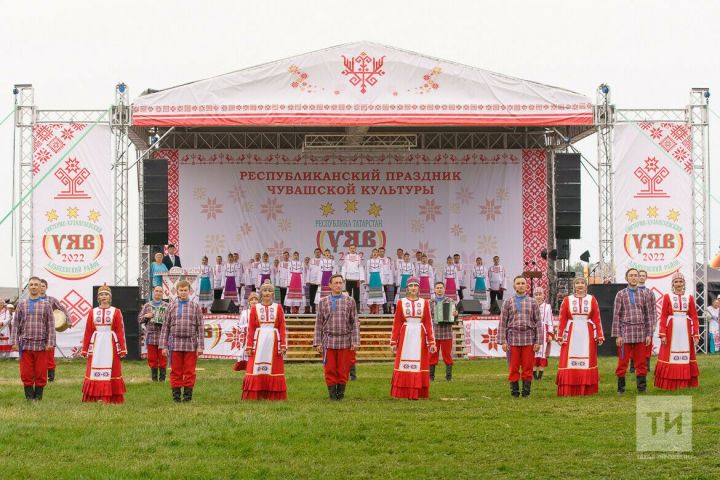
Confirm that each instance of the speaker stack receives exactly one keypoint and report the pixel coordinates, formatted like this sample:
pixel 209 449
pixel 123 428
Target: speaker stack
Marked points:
pixel 155 202
pixel 567 197
pixel 605 296
pixel 127 299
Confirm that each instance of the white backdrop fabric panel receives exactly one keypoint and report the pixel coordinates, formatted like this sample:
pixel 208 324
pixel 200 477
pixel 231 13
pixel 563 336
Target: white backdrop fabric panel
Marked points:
pixel 73 220
pixel 653 202
pixel 255 201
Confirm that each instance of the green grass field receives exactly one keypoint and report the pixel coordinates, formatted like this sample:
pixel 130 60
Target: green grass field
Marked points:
pixel 470 428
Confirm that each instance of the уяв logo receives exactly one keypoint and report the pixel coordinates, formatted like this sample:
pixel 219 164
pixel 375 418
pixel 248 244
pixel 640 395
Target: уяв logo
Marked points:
pixel 654 243
pixel 73 245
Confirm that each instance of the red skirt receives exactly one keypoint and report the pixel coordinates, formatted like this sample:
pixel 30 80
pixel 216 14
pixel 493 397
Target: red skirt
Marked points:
pixel 671 376
pixel 270 386
pixel 411 385
pixel 106 391
pixel 571 380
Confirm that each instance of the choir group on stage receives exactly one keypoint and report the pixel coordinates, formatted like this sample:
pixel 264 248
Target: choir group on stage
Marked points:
pixel 421 332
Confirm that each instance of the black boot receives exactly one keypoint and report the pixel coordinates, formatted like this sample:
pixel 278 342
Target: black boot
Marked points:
pixel 353 373
pixel 648 365
pixel 432 373
pixel 332 392
pixel 154 374
pixel 176 394
pixel 526 388
pixel 340 391
pixel 641 384
pixel 632 366
pixel 161 377
pixel 540 374
pixel 448 372
pixel 38 393
pixel 621 385
pixel 29 393
pixel 535 374
pixel 514 389
pixel 187 394
pixel 51 375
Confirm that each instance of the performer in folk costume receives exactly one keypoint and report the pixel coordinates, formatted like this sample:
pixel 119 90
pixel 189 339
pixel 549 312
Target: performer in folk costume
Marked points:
pixel 426 274
pixel 444 338
pixel 152 317
pixel 240 276
pixel 387 274
pixel 376 292
pixel 354 273
pixel 497 283
pixel 632 326
pixel 241 363
pixel 33 335
pixel 6 317
pixel 714 326
pixel 541 356
pixel 249 279
pixel 520 331
pixel 437 274
pixel 337 336
pixel 461 270
pixel 450 274
pixel 104 346
pixel 405 270
pixel 327 269
pixel 579 333
pixel 295 297
pixel 266 347
pixel 183 335
pixel 652 310
pixel 206 281
pixel 315 277
pixel 412 342
pixel 265 271
pixel 55 305
pixel 480 282
pixel 282 278
pixel 306 286
pixel 679 334
pixel 156 269
pixel 218 279
pixel 418 260
pixel 231 276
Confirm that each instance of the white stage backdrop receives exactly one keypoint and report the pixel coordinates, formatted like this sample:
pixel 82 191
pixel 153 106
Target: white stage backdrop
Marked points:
pixel 72 220
pixel 481 338
pixel 653 202
pixel 467 202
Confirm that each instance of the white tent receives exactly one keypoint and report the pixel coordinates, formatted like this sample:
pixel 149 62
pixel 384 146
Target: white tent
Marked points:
pixel 362 84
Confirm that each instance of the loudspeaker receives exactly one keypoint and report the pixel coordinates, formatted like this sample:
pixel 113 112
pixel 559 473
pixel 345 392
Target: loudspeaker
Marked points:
pixel 224 306
pixel 127 299
pixel 605 296
pixel 567 195
pixel 155 202
pixel 469 307
pixel 563 249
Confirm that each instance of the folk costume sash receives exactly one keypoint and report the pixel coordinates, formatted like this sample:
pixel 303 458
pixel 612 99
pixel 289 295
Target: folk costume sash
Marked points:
pixel 412 337
pixel 265 338
pixel 101 345
pixel 680 341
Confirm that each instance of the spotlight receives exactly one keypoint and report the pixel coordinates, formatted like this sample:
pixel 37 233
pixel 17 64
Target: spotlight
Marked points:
pixel 585 257
pixel 544 254
pixel 121 87
pixel 16 91
pixel 154 139
pixel 604 89
pixel 552 255
pixel 706 94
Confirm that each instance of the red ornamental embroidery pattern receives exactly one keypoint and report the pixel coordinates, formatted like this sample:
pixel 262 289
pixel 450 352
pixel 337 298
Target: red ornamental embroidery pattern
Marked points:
pixel 300 80
pixel 236 338
pixel 651 176
pixel 72 176
pixel 76 306
pixel 363 70
pixel 271 209
pixel 430 210
pixel 211 208
pixel 490 210
pixel 490 338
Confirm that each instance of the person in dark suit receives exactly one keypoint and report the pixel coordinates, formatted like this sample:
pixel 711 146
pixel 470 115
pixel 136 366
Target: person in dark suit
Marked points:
pixel 171 260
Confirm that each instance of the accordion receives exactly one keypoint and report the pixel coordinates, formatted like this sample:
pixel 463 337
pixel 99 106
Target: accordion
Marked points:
pixel 444 313
pixel 159 314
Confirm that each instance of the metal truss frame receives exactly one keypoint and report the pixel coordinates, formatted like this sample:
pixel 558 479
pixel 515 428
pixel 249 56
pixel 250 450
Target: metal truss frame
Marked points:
pixel 119 125
pixel 27 115
pixel 604 119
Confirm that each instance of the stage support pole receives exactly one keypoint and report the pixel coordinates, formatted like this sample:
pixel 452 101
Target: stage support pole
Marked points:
pixel 604 120
pixel 119 124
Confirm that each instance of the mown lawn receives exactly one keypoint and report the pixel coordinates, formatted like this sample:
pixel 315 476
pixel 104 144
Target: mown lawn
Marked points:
pixel 470 428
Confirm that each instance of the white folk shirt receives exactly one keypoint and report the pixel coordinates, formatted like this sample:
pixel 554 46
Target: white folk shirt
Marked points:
pixel 218 276
pixel 232 270
pixel 314 272
pixel 460 274
pixel 425 270
pixel 282 278
pixel 263 268
pixel 477 272
pixel 373 265
pixel 386 271
pixel 352 267
pixel 496 277
pixel 404 268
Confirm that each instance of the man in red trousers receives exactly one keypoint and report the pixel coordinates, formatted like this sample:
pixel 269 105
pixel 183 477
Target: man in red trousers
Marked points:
pixel 520 330
pixel 337 336
pixel 33 334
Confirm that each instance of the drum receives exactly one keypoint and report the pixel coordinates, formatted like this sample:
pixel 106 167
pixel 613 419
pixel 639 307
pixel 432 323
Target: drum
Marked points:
pixel 61 321
pixel 159 314
pixel 445 313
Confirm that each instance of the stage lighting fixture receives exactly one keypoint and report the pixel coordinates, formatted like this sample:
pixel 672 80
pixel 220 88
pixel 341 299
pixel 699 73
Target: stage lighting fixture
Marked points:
pixel 552 255
pixel 543 254
pixel 604 89
pixel 585 257
pixel 121 87
pixel 706 94
pixel 15 91
pixel 154 139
